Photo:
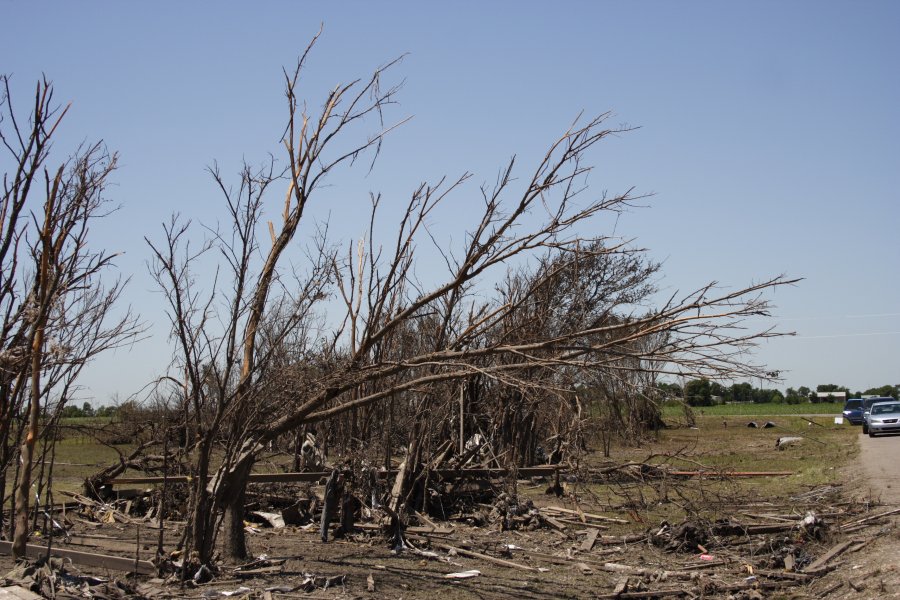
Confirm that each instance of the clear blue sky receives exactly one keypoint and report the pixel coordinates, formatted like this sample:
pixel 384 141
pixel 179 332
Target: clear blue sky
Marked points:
pixel 769 133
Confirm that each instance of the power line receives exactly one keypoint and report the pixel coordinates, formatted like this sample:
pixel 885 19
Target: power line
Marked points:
pixel 844 335
pixel 836 317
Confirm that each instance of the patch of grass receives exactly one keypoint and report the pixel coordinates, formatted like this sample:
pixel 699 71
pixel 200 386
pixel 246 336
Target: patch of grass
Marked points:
pixel 807 408
pixel 78 458
pixel 726 444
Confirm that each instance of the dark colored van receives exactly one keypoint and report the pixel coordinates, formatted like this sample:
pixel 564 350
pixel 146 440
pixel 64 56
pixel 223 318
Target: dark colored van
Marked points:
pixel 853 411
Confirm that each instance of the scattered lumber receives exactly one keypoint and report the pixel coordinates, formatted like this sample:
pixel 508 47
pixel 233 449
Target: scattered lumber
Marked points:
pixel 108 512
pixel 586 515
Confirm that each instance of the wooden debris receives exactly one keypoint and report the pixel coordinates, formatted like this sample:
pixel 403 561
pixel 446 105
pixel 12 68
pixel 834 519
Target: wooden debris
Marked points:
pixel 703 565
pixel 848 526
pixel 580 524
pixel 428 522
pixel 621 585
pixel 117 563
pixel 554 523
pixel 820 562
pixel 830 589
pixel 463 574
pixel 646 594
pixel 802 577
pixel 585 515
pixel 486 557
pixel 253 572
pixel 789 562
pixel 273 519
pixel 420 530
pixel 614 540
pixel 590 540
pixel 16 592
pixel 658 574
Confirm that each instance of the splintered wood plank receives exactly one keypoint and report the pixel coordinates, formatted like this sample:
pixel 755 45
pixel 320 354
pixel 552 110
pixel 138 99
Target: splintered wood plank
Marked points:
pixel 591 539
pixel 834 551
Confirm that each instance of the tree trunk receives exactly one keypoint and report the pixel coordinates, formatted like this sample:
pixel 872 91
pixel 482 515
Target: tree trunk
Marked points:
pixel 235 545
pixel 5 450
pixel 20 538
pixel 230 492
pixel 203 522
pixel 330 505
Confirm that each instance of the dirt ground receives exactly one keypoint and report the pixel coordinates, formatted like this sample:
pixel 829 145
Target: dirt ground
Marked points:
pixel 876 476
pixel 553 562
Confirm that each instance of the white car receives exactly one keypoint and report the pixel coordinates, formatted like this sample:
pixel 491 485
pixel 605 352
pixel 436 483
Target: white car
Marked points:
pixel 867 407
pixel 883 417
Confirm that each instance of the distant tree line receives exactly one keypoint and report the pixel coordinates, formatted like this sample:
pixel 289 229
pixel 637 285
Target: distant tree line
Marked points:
pixel 86 410
pixel 703 392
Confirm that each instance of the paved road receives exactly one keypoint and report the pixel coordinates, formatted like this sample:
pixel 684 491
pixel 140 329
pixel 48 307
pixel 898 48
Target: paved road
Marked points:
pixel 880 458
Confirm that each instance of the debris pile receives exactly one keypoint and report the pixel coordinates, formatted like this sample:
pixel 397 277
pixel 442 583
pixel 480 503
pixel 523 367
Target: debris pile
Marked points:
pixel 55 578
pixel 732 549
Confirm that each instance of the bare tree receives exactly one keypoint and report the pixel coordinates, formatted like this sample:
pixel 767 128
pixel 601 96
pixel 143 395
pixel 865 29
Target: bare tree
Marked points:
pixel 579 303
pixel 56 313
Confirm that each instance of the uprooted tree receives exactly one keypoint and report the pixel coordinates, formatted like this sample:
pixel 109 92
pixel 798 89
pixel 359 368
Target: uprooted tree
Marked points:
pixel 56 313
pixel 531 308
